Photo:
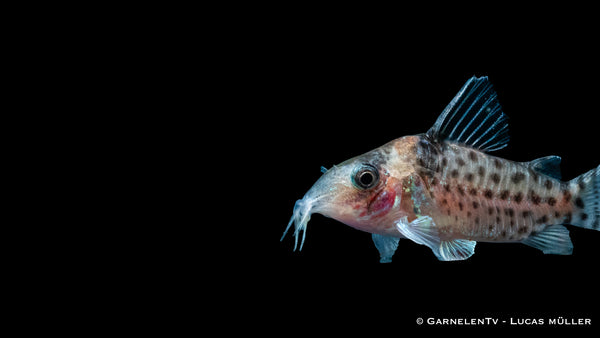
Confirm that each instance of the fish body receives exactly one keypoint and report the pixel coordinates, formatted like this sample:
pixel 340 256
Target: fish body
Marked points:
pixel 444 190
pixel 475 196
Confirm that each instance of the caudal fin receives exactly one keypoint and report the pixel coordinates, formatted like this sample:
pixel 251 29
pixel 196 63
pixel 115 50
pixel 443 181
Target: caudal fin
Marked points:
pixel 587 201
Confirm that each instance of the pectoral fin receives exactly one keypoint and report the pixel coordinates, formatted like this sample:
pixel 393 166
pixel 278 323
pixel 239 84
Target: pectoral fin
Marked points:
pixel 386 245
pixel 423 231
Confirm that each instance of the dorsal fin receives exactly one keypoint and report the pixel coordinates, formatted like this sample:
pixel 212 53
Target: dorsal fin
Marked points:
pixel 549 165
pixel 473 118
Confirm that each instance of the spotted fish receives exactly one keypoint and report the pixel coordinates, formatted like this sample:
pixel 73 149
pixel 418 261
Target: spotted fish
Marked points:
pixel 444 190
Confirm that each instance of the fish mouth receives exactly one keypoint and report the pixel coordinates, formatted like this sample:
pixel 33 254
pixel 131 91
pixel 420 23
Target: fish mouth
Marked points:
pixel 300 217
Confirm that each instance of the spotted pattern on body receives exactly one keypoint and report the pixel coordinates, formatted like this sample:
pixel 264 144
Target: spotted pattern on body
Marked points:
pixel 443 190
pixel 485 198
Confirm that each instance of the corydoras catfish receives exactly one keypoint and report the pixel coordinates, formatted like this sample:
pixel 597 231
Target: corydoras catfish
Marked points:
pixel 442 189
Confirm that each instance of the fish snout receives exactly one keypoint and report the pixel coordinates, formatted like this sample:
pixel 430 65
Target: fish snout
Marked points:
pixel 321 198
pixel 300 218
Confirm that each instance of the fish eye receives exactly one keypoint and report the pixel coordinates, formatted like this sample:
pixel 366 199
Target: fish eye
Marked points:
pixel 365 177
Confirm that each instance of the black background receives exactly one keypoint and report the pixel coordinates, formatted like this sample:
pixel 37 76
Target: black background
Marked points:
pixel 287 90
pixel 316 97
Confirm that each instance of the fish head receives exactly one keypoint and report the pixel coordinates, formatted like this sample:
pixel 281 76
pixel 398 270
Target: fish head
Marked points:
pixel 363 192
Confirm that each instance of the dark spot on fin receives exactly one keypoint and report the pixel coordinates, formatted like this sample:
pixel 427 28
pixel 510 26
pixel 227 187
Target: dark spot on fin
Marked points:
pixel 473 118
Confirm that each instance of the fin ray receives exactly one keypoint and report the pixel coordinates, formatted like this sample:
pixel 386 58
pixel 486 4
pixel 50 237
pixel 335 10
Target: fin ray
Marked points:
pixel 386 245
pixel 549 165
pixel 486 126
pixel 553 240
pixel 422 230
pixel 587 202
pixel 456 250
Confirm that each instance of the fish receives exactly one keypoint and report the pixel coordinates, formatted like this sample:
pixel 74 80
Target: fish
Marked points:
pixel 443 189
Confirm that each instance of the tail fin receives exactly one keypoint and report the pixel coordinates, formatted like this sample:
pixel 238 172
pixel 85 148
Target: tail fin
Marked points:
pixel 587 201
